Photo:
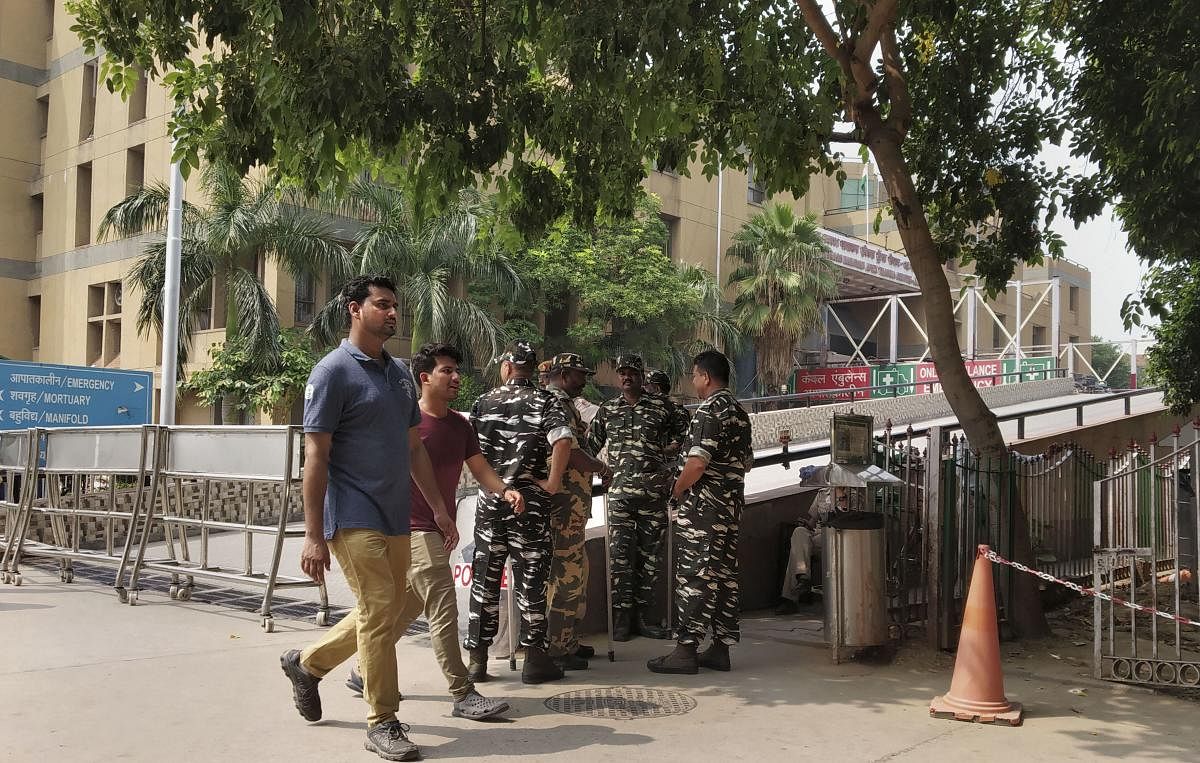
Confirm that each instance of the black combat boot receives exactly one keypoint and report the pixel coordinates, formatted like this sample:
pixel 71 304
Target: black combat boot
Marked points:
pixel 622 625
pixel 716 657
pixel 648 629
pixel 539 667
pixel 571 662
pixel 682 661
pixel 477 666
pixel 585 651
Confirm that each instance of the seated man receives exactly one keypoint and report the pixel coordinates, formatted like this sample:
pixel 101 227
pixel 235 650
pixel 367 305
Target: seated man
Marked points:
pixel 806 539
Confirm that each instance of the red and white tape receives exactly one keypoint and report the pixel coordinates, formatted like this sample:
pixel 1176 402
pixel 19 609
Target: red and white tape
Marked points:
pixel 992 556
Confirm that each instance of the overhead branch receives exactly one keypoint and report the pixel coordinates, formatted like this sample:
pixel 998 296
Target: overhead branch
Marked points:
pixel 900 114
pixel 853 136
pixel 880 17
pixel 815 18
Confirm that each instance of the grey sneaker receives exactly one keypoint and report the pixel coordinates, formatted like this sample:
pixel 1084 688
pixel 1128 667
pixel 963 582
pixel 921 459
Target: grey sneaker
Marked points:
pixel 389 740
pixel 304 686
pixel 476 707
pixel 354 683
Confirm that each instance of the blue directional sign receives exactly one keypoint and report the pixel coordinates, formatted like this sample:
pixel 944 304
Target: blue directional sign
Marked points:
pixel 47 395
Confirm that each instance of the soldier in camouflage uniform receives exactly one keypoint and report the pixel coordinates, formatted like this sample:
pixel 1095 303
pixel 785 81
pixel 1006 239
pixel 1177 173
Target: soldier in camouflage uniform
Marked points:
pixel 572 507
pixel 525 435
pixel 711 487
pixel 639 433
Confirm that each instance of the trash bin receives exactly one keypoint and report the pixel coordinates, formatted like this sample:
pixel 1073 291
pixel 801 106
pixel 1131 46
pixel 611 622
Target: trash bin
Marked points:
pixel 855 582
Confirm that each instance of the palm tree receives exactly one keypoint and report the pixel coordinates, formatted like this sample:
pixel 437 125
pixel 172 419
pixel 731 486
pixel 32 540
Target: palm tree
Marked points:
pixel 245 222
pixel 780 286
pixel 432 260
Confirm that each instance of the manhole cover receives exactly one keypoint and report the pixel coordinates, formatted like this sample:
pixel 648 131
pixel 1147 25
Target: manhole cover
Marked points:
pixel 622 703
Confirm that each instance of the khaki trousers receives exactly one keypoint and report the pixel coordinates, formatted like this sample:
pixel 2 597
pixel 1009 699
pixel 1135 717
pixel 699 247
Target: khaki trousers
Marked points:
pixel 376 567
pixel 431 591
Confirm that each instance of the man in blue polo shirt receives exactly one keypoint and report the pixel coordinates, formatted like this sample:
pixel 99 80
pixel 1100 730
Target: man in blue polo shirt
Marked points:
pixel 361 445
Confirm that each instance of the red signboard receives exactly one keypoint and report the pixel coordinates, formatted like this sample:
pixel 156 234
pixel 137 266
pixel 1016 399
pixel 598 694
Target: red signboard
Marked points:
pixel 848 383
pixel 983 373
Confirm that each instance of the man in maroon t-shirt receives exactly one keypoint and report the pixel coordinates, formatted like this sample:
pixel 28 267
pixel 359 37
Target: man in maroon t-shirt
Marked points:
pixel 450 442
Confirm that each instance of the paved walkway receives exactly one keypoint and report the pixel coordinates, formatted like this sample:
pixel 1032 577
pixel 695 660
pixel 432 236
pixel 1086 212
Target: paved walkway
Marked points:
pixel 83 678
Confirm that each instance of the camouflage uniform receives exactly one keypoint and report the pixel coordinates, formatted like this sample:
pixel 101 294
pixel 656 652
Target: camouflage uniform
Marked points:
pixel 635 439
pixel 706 592
pixel 569 569
pixel 516 424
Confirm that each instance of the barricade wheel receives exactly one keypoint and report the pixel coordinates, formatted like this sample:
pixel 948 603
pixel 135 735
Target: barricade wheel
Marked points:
pixel 185 594
pixel 16 579
pixel 268 624
pixel 133 596
pixel 122 596
pixel 322 619
pixel 173 592
pixel 69 576
pixel 6 578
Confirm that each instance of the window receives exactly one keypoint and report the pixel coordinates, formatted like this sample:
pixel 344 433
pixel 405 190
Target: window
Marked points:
pixel 39 207
pixel 1039 336
pixel 306 300
pixel 35 320
pixel 43 104
pixel 1073 339
pixel 754 190
pixel 49 6
pixel 999 340
pixel 672 249
pixel 204 309
pixel 83 204
pixel 1073 298
pixel 661 165
pixel 137 100
pixel 135 169
pixel 104 323
pixel 87 107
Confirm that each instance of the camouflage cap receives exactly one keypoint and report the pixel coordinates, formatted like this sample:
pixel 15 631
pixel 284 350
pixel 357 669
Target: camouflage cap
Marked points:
pixel 631 361
pixel 520 353
pixel 544 366
pixel 660 378
pixel 568 361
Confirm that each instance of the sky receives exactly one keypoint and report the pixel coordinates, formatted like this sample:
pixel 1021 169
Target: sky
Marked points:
pixel 1100 246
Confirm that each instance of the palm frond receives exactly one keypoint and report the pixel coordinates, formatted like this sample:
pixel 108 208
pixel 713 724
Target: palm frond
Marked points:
pixel 257 321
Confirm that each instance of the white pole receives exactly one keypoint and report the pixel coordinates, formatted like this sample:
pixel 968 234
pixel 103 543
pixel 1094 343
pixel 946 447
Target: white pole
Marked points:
pixel 1055 316
pixel 170 344
pixel 1017 346
pixel 720 212
pixel 894 331
pixel 972 325
pixel 867 200
pixel 1133 380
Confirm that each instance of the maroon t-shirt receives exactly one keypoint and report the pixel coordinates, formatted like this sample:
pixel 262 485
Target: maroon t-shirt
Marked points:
pixel 450 441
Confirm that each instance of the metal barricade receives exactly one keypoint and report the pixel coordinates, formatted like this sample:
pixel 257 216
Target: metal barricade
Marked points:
pixel 198 465
pixel 90 486
pixel 16 487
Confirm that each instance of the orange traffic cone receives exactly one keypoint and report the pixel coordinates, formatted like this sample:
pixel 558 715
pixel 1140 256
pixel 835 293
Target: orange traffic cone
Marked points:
pixel 977 688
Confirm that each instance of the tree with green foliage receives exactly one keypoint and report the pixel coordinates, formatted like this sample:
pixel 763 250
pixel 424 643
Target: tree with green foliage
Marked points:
pixel 245 222
pixel 781 284
pixel 432 259
pixel 1107 359
pixel 237 381
pixel 611 289
pixel 566 106
pixel 1134 119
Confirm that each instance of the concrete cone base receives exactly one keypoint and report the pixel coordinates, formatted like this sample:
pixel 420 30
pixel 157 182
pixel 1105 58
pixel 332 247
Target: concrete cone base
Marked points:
pixel 945 707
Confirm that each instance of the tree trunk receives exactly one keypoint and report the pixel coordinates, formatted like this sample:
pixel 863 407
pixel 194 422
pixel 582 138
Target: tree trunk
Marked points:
pixel 977 420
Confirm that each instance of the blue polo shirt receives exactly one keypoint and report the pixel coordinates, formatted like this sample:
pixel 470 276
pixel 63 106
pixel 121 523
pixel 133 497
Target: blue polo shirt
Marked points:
pixel 369 407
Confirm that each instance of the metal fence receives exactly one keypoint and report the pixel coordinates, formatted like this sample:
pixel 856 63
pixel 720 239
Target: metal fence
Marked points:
pixel 981 499
pixel 181 484
pixel 1145 524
